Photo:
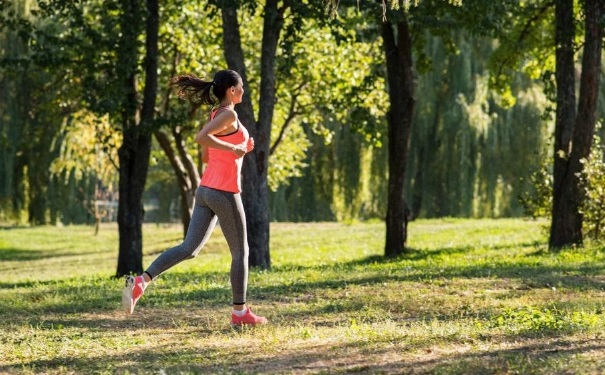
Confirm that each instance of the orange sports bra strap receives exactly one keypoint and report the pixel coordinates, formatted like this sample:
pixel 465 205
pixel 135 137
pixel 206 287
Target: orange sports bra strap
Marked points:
pixel 214 112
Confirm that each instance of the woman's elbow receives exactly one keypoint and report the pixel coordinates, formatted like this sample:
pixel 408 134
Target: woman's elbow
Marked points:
pixel 200 139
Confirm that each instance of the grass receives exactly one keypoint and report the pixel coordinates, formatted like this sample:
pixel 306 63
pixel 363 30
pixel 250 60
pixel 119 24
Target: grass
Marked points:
pixel 469 297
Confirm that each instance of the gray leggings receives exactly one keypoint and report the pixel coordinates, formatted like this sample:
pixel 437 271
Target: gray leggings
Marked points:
pixel 210 205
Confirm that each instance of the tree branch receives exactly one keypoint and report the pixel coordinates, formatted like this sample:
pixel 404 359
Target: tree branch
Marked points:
pixel 292 113
pixel 524 33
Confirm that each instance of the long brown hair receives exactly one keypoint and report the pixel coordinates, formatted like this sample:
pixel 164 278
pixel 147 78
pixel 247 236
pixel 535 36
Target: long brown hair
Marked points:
pixel 197 90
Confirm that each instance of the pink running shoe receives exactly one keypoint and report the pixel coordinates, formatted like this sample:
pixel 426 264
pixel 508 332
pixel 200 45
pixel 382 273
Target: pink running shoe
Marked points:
pixel 133 290
pixel 248 319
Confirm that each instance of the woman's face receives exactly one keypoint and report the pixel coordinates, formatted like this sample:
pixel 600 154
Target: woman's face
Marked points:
pixel 238 92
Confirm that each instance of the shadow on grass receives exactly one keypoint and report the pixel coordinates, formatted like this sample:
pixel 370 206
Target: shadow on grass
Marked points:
pixel 13 227
pixel 47 300
pixel 532 275
pixel 414 254
pixel 327 358
pixel 22 255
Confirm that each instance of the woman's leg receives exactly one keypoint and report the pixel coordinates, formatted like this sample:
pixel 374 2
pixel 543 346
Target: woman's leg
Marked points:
pixel 230 212
pixel 202 223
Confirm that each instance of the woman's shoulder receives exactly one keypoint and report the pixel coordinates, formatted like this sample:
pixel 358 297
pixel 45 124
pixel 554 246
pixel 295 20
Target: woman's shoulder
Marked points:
pixel 225 113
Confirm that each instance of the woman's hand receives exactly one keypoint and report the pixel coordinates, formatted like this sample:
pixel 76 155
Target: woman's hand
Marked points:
pixel 240 149
pixel 250 144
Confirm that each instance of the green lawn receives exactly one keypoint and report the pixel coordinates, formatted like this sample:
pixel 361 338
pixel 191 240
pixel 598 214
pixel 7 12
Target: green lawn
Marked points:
pixel 469 297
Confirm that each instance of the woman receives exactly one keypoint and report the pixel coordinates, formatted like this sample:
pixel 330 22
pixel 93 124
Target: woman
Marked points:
pixel 224 141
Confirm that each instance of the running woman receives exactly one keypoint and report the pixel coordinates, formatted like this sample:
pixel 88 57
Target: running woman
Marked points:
pixel 224 142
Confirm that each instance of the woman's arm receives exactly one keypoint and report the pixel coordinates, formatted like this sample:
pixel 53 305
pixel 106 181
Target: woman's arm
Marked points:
pixel 205 155
pixel 223 121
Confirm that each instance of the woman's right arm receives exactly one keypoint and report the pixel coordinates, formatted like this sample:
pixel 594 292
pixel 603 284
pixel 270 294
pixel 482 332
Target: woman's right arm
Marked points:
pixel 206 137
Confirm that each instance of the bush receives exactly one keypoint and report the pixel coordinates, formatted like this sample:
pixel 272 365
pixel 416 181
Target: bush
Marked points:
pixel 593 180
pixel 538 202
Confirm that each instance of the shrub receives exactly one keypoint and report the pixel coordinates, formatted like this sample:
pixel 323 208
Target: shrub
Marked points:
pixel 538 202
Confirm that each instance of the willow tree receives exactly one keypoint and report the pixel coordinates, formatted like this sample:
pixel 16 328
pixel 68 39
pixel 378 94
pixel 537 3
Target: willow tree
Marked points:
pixel 471 155
pixel 32 113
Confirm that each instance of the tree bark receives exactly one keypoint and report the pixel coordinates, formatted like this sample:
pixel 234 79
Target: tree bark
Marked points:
pixel 574 132
pixel 136 147
pixel 400 79
pixel 565 226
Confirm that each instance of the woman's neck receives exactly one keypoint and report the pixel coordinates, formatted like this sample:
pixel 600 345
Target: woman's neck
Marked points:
pixel 229 105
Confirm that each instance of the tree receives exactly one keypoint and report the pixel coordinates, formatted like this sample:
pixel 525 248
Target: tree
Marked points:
pixel 85 35
pixel 398 51
pixel 255 170
pixel 136 145
pixel 398 46
pixel 574 131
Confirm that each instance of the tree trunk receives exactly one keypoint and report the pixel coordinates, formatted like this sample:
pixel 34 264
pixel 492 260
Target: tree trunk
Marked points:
pixel 566 226
pixel 136 147
pixel 401 95
pixel 254 172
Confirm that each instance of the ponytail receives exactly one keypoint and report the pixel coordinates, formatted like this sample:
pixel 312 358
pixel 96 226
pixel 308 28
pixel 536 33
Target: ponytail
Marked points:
pixel 198 91
pixel 193 88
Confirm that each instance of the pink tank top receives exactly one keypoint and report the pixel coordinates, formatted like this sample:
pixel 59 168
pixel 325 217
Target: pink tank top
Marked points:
pixel 224 168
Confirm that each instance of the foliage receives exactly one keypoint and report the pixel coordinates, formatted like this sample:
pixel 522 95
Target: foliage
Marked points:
pixel 538 202
pixel 339 105
pixel 88 144
pixel 469 156
pixel 592 180
pixel 326 78
pixel 525 44
pixel 36 99
pixel 329 295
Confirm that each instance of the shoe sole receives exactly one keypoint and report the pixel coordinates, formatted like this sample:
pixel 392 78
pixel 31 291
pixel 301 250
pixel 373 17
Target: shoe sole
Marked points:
pixel 127 304
pixel 239 325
